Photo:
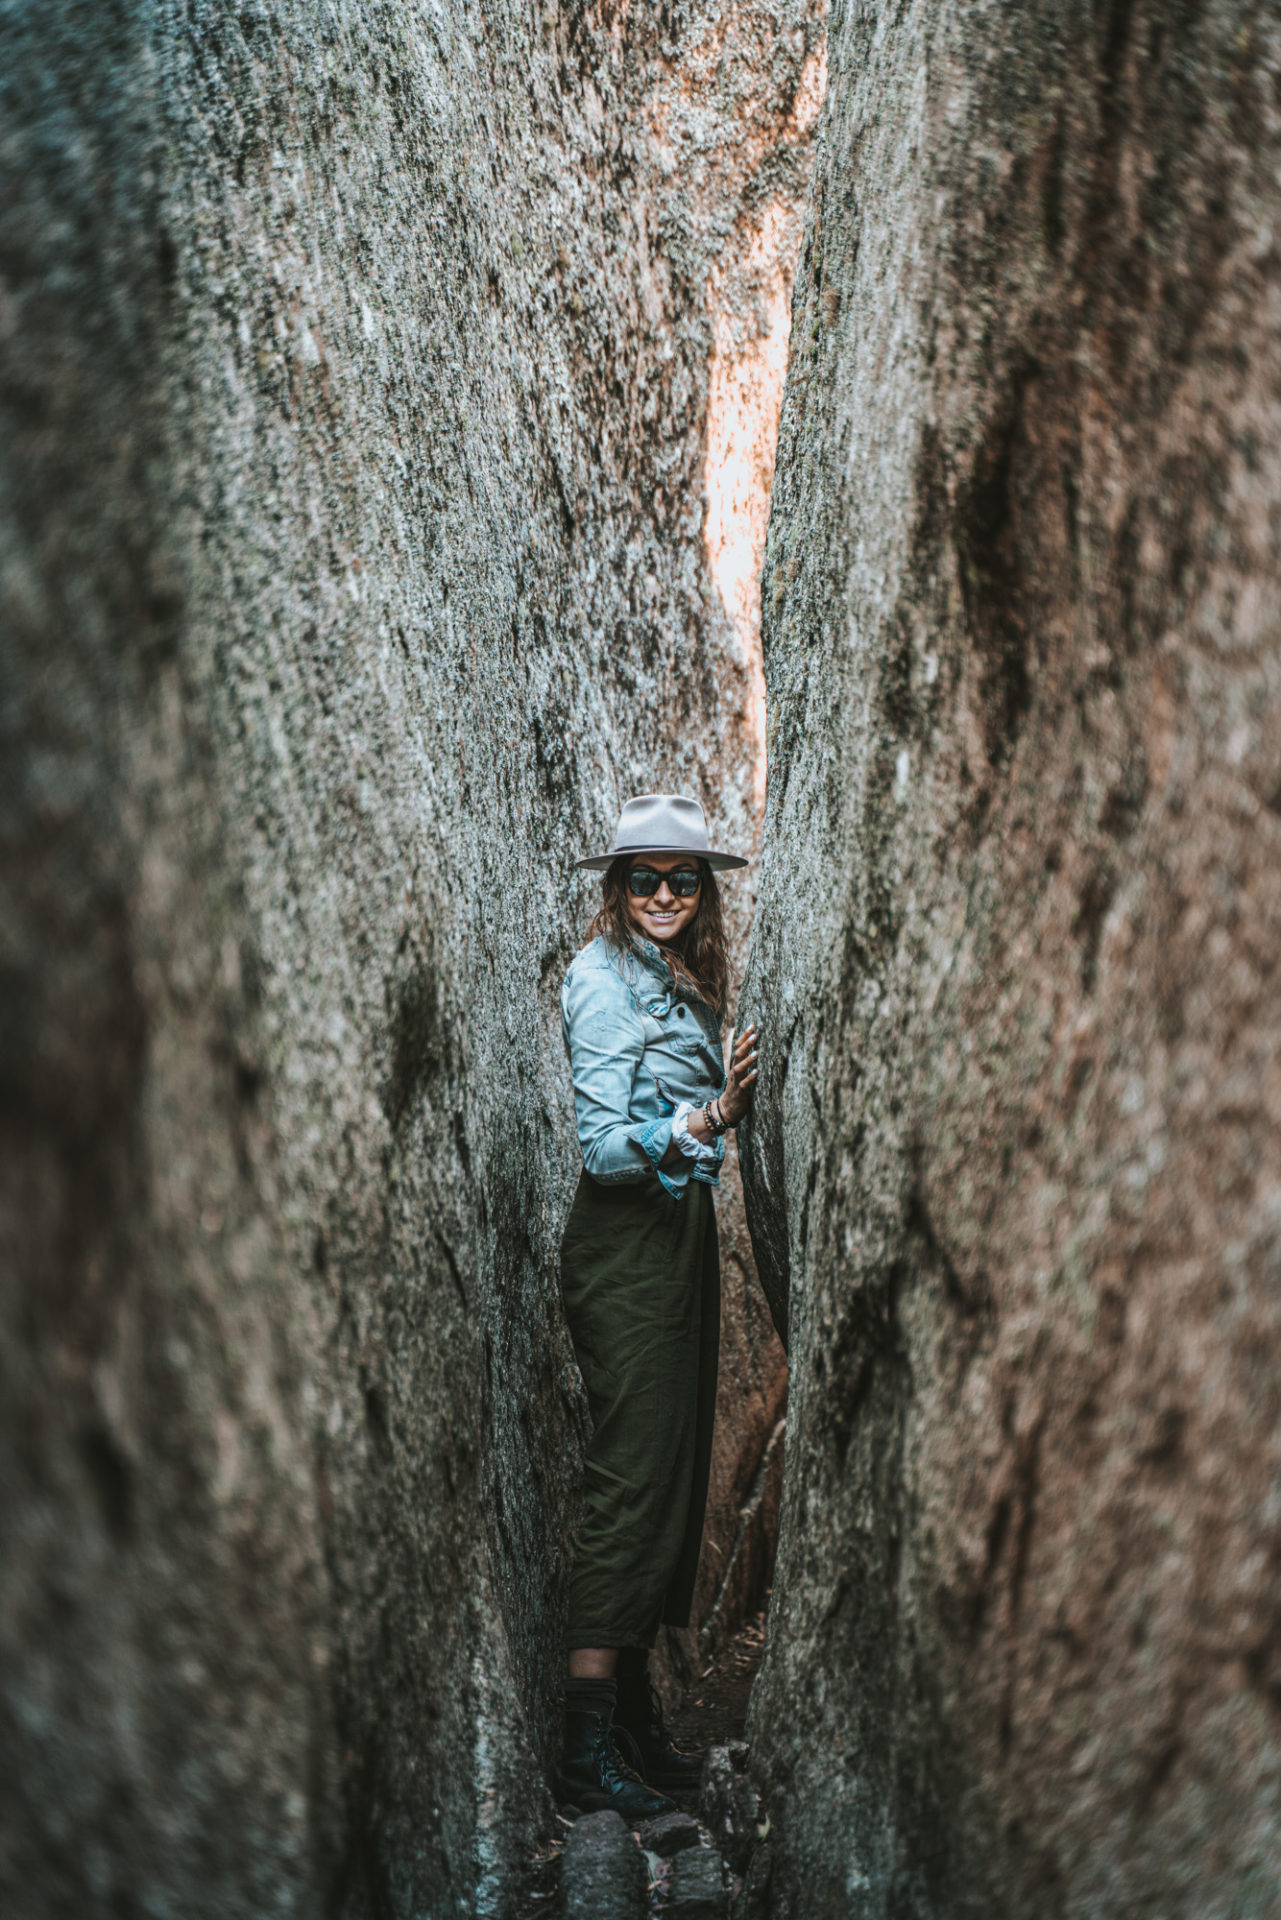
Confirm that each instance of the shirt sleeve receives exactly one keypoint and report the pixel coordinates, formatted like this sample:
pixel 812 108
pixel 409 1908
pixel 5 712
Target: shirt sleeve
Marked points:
pixel 606 1039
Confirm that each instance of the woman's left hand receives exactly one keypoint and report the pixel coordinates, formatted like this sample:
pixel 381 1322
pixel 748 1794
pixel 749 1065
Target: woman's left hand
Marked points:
pixel 737 1097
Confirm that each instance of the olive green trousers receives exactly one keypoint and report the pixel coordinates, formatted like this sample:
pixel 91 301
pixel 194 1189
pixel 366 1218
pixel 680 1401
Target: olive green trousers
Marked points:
pixel 640 1275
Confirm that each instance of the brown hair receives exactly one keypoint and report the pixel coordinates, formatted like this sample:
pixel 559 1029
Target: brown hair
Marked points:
pixel 701 959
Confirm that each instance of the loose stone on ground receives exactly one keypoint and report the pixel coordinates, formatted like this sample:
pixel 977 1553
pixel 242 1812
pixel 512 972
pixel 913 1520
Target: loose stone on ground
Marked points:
pixel 700 1867
pixel 729 1804
pixel 670 1835
pixel 604 1871
pixel 696 1889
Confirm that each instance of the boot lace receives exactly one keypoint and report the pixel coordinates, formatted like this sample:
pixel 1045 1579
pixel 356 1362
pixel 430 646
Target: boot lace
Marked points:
pixel 612 1770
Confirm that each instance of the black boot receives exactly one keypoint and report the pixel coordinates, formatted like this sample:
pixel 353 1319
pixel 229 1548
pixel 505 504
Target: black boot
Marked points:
pixel 639 1714
pixel 593 1776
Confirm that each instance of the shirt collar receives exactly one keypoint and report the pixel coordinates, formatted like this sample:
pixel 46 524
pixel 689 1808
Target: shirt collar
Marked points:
pixel 647 953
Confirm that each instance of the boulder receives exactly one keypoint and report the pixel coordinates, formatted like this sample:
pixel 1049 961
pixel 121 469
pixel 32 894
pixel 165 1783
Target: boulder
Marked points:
pixel 1013 1176
pixel 377 489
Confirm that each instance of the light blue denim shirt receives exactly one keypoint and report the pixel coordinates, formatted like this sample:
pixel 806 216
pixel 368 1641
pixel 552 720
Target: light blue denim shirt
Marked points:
pixel 638 1046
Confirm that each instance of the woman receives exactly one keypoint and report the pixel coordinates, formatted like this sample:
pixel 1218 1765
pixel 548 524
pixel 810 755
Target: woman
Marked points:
pixel 641 1281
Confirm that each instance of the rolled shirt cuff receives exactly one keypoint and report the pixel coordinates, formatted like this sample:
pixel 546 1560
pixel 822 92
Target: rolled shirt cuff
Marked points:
pixel 702 1152
pixel 654 1138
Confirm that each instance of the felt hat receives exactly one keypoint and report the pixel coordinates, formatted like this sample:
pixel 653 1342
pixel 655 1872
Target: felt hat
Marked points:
pixel 662 823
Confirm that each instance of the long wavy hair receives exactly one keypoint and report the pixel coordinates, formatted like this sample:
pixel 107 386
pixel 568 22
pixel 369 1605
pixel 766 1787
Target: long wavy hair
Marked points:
pixel 699 957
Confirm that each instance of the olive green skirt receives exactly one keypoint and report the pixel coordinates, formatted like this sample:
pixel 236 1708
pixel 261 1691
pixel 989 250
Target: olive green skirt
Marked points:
pixel 640 1274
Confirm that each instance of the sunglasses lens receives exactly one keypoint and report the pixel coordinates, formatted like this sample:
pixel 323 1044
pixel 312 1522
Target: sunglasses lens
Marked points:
pixel 643 881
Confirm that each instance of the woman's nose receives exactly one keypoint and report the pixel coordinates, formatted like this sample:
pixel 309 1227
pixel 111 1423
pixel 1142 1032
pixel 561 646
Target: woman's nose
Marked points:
pixel 664 895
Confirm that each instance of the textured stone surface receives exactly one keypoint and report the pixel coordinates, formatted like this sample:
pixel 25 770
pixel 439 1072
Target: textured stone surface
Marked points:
pixel 1017 1161
pixel 729 1805
pixel 375 499
pixel 754 1900
pixel 603 1871
pixel 669 1834
pixel 696 1889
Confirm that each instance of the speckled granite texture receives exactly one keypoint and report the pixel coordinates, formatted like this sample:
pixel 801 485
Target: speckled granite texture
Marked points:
pixel 372 505
pixel 1017 1161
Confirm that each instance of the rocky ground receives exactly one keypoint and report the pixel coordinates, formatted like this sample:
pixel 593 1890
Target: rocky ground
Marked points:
pixel 709 1862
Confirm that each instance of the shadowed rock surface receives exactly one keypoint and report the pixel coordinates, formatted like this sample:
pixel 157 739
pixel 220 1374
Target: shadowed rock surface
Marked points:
pixel 603 1872
pixel 696 1890
pixel 375 501
pixel 1016 1168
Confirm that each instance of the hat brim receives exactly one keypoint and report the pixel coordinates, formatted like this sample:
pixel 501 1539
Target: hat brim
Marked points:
pixel 718 862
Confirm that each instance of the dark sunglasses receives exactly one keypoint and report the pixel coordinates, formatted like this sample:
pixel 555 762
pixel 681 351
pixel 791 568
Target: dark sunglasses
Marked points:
pixel 684 883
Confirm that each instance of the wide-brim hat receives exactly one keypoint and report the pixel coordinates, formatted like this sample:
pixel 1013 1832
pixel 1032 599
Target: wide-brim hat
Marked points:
pixel 662 823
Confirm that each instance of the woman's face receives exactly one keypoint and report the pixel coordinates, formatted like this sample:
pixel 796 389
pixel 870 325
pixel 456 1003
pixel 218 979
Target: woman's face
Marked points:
pixel 664 915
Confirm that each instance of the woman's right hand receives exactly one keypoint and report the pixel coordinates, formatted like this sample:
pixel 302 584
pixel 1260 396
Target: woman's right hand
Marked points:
pixel 737 1097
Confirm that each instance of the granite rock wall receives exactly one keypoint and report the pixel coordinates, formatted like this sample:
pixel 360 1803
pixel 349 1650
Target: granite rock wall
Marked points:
pixel 375 498
pixel 1015 1173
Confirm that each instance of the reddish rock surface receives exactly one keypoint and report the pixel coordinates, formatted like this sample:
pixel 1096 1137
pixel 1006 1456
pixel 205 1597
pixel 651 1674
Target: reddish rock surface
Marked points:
pixel 1016 1170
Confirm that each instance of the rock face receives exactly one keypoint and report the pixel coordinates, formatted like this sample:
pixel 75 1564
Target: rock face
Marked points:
pixel 1016 1169
pixel 376 504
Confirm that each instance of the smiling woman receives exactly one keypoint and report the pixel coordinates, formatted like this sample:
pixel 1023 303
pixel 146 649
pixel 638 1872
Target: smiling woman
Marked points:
pixel 640 1274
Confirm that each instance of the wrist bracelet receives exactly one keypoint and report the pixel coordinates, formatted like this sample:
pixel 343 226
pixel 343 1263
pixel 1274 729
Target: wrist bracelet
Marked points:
pixel 689 1144
pixel 718 1126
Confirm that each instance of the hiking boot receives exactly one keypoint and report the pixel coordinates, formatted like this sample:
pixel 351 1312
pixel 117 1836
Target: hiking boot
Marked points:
pixel 593 1775
pixel 639 1714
